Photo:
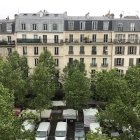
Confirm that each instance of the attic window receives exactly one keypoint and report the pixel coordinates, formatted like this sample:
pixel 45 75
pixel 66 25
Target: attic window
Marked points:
pixel 25 14
pixel 46 14
pixel 34 14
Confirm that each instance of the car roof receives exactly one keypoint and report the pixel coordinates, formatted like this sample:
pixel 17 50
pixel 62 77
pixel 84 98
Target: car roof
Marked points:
pixel 43 126
pixel 79 129
pixel 61 126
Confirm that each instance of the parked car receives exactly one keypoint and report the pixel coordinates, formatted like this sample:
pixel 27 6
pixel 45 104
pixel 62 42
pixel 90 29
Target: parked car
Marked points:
pixel 43 131
pixel 79 131
pixel 28 125
pixel 61 131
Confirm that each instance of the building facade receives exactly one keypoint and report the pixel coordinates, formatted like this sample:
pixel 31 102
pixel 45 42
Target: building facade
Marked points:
pixel 102 43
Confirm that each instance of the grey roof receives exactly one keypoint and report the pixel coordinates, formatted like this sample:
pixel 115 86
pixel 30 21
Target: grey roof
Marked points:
pixel 87 18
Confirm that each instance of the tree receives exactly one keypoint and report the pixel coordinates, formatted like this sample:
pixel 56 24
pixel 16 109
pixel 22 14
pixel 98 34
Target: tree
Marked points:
pixel 43 81
pixel 109 85
pixel 76 86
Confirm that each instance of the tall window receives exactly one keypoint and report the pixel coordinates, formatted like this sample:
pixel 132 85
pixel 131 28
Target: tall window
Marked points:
pixel 105 37
pixel 105 50
pixel 44 38
pixel 70 49
pixel 94 38
pixel 138 61
pixel 133 38
pixel 24 50
pixel 36 61
pixel 9 39
pixel 132 49
pixel 131 61
pixel 93 63
pixel 119 49
pixel 104 63
pixel 82 50
pixel 34 26
pixel 82 60
pixel 94 50
pixel 120 27
pixel 44 26
pixel 94 25
pixel 70 25
pixel 70 60
pixel 82 38
pixel 23 36
pixel 23 26
pixel 120 38
pixel 9 50
pixel 56 38
pixel 105 25
pixel 35 50
pixel 132 26
pixel 54 26
pixel 56 50
pixel 35 36
pixel 70 37
pixel 57 62
pixel 44 48
pixel 118 61
pixel 82 25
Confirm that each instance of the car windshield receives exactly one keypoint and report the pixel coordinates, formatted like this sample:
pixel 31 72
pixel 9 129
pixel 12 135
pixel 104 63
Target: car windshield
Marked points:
pixel 41 134
pixel 60 133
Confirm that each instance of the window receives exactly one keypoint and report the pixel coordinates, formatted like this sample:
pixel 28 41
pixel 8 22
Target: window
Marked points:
pixel 118 61
pixel 24 50
pixel 133 38
pixel 131 61
pixel 132 49
pixel 119 49
pixel 82 50
pixel 70 49
pixel 70 60
pixel 23 26
pixel 120 27
pixel 94 25
pixel 57 62
pixel 82 25
pixel 105 37
pixel 35 50
pixel 82 38
pixel 120 71
pixel 120 38
pixel 9 27
pixel 104 63
pixel 132 26
pixel 9 50
pixel 54 26
pixel 9 39
pixel 70 25
pixel 93 63
pixel 23 36
pixel 44 48
pixel 56 50
pixel 56 38
pixel 93 72
pixel 44 38
pixel 82 60
pixel 105 25
pixel 70 38
pixel 0 27
pixel 34 26
pixel 138 61
pixel 35 36
pixel 44 26
pixel 94 38
pixel 105 51
pixel 94 50
pixel 36 61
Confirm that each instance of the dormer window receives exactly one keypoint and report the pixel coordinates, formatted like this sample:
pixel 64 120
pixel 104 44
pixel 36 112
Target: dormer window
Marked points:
pixel 105 25
pixel 54 26
pixel 34 26
pixel 23 26
pixel 132 26
pixel 82 25
pixel 25 14
pixel 94 25
pixel 120 27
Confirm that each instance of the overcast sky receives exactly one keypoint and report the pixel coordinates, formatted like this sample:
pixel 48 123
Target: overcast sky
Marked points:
pixel 73 7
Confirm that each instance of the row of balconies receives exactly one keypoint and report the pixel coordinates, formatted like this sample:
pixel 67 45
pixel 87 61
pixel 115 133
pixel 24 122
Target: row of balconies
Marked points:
pixel 61 41
pixel 92 52
pixel 95 65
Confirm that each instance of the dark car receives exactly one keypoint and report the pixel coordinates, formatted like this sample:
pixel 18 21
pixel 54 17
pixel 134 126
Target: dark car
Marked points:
pixel 79 131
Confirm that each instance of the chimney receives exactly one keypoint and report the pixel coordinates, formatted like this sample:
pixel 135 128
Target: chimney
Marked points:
pixel 121 15
pixel 87 15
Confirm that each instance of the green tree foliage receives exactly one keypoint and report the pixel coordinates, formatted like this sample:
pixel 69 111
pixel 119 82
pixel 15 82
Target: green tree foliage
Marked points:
pixel 13 75
pixel 76 86
pixel 43 81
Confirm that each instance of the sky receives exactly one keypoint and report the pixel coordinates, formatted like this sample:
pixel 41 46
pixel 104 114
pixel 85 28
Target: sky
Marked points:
pixel 73 7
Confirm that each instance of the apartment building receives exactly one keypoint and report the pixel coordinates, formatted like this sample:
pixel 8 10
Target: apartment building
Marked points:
pixel 102 43
pixel 7 37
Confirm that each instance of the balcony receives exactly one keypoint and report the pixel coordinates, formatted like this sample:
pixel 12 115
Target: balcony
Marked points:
pixel 93 52
pixel 77 41
pixel 21 40
pixel 81 52
pixel 70 52
pixel 126 41
pixel 9 43
pixel 39 41
pixel 104 65
pixel 93 65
